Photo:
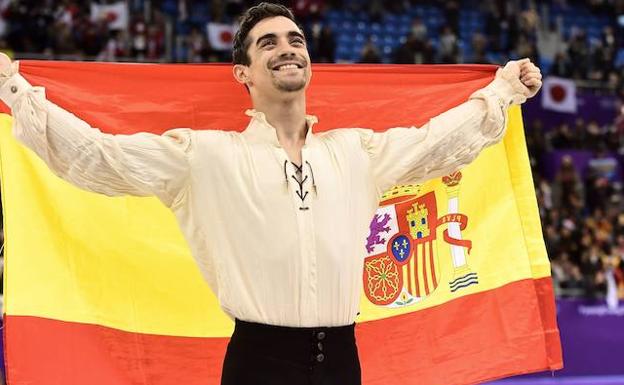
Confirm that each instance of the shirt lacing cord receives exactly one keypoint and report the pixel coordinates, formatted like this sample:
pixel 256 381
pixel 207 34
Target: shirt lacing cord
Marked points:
pixel 313 181
pixel 301 182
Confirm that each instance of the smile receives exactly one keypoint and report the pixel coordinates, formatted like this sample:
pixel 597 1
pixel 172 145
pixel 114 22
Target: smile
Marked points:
pixel 287 66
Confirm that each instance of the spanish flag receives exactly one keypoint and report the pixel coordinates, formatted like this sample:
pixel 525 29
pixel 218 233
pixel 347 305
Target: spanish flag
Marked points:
pixel 103 291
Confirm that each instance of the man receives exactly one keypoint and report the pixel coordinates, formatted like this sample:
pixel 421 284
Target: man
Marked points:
pixel 292 278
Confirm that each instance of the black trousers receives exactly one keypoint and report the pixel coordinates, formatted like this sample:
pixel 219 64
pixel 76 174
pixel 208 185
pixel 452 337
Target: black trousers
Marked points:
pixel 260 354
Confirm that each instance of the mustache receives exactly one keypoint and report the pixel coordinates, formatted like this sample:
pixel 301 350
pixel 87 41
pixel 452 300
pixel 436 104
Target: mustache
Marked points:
pixel 292 60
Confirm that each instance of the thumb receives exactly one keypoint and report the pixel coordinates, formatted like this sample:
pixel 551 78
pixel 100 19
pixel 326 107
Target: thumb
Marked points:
pixel 5 61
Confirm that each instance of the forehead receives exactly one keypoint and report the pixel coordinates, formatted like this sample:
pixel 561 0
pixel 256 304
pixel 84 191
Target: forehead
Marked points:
pixel 278 25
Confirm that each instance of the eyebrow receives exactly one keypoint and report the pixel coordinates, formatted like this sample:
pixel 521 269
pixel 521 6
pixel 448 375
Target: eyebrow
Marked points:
pixel 273 36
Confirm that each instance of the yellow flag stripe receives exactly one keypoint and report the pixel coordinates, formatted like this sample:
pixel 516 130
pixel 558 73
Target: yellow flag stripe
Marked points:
pixel 526 201
pixel 497 195
pixel 84 253
pixel 90 249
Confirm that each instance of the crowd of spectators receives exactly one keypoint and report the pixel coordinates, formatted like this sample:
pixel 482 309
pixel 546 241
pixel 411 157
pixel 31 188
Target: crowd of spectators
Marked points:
pixel 581 210
pixel 71 29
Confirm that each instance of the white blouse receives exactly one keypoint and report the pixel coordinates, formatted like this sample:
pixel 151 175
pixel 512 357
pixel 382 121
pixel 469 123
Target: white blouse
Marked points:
pixel 278 243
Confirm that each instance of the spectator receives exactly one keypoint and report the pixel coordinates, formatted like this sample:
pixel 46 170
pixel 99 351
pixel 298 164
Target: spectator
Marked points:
pixel 419 30
pixel 578 51
pixel 550 41
pixel 449 48
pixel 593 137
pixel 322 44
pixel 414 51
pixel 198 47
pixel 561 65
pixel 370 53
pixel 451 13
pixel 562 137
pixel 479 45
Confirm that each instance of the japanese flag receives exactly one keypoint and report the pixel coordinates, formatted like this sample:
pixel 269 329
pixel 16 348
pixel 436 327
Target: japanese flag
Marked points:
pixel 559 95
pixel 221 36
pixel 115 14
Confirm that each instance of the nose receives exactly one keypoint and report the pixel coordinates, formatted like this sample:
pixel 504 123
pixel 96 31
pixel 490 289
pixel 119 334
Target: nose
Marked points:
pixel 285 48
pixel 287 54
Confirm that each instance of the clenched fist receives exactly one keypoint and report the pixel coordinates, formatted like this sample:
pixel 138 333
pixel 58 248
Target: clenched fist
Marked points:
pixel 524 77
pixel 530 76
pixel 7 67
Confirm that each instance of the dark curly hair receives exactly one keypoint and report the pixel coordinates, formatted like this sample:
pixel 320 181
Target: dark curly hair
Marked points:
pixel 249 19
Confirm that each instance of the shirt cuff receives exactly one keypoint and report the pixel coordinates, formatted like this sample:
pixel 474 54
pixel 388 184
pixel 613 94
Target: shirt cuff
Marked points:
pixel 507 88
pixel 497 97
pixel 13 88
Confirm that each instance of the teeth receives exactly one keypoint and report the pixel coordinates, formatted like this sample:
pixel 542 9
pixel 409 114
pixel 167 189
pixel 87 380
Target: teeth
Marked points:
pixel 287 67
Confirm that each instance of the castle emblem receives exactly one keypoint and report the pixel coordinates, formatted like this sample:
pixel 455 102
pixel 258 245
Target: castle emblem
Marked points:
pixel 402 266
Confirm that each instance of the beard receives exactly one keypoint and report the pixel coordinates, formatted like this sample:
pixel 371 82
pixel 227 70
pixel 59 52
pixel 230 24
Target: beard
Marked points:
pixel 288 83
pixel 293 85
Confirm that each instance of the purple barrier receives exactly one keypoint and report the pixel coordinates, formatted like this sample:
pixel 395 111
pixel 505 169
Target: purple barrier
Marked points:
pixel 600 108
pixel 592 337
pixel 581 380
pixel 552 161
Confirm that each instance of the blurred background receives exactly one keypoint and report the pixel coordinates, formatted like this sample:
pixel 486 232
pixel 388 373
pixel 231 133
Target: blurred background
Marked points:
pixel 574 128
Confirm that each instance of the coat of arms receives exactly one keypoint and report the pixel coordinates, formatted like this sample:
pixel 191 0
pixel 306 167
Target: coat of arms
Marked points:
pixel 402 267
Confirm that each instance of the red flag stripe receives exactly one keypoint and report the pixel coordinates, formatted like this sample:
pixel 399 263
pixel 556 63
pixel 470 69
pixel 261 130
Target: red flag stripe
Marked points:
pixel 46 348
pixel 454 336
pixel 432 263
pixel 124 98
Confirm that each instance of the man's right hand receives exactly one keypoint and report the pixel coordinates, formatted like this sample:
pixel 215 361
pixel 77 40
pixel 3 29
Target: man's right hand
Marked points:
pixel 5 61
pixel 7 67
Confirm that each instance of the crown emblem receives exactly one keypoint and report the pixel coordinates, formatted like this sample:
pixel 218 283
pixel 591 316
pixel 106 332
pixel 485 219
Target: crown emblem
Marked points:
pixel 401 191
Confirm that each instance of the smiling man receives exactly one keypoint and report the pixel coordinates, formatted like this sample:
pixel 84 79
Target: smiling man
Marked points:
pixel 275 216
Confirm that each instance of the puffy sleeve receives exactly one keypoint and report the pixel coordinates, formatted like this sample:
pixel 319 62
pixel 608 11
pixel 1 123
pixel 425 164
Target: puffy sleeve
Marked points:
pixel 446 143
pixel 141 164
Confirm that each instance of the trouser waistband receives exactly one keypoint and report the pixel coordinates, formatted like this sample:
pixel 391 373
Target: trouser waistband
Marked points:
pixel 246 329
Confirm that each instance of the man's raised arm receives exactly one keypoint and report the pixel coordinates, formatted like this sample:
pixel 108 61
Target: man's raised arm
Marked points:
pixel 454 138
pixel 142 164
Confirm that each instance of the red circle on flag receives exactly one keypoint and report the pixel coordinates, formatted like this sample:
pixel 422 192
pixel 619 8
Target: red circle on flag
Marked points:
pixel 557 93
pixel 226 36
pixel 111 16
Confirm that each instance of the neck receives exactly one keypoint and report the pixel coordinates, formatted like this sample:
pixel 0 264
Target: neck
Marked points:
pixel 288 118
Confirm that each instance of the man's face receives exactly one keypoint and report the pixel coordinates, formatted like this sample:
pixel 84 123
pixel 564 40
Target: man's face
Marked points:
pixel 279 57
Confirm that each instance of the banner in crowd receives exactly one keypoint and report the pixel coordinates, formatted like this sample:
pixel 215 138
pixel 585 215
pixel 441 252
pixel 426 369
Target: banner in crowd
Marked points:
pixel 104 290
pixel 602 109
pixel 559 94
pixel 221 36
pixel 114 14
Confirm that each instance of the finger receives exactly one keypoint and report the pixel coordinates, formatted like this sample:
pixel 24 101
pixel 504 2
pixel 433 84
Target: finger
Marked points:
pixel 532 83
pixel 526 77
pixel 530 77
pixel 528 68
pixel 528 64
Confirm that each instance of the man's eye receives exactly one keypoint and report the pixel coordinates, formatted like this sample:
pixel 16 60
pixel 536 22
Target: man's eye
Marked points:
pixel 298 41
pixel 267 43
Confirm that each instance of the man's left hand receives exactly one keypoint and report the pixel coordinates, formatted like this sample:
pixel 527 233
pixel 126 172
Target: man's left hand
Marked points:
pixel 530 76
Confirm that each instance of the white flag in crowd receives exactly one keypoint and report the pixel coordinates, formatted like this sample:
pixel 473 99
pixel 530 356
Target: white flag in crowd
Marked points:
pixel 116 14
pixel 559 94
pixel 221 36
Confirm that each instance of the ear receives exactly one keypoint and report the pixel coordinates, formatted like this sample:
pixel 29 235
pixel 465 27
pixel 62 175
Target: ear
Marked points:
pixel 241 73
